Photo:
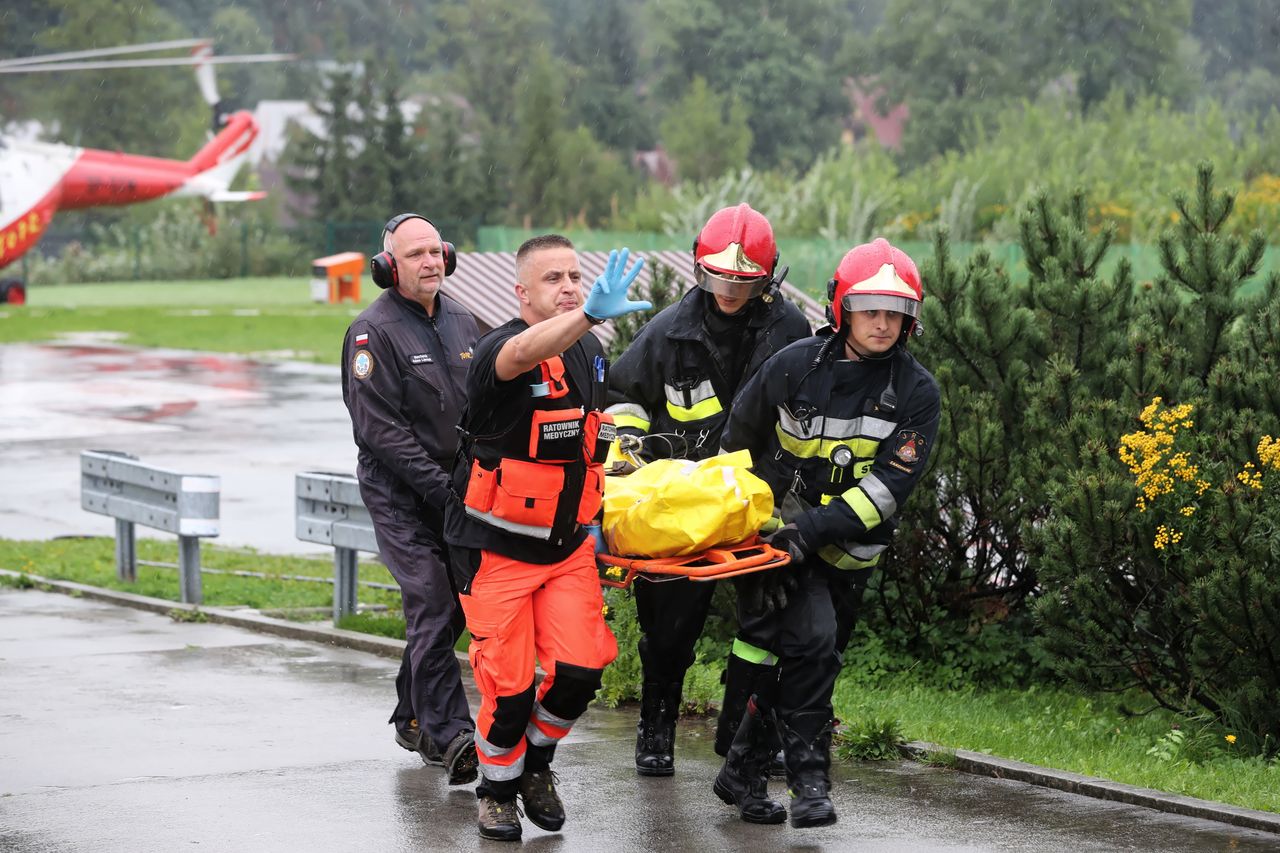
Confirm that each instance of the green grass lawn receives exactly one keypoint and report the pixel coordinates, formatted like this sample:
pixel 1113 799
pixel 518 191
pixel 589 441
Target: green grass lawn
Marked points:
pixel 264 317
pixel 91 560
pixel 1066 729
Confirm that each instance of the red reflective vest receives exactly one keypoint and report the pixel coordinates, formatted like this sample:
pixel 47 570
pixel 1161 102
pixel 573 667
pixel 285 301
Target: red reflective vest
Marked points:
pixel 542 477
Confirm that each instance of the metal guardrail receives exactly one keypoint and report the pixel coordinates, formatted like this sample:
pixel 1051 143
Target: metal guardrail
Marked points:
pixel 330 511
pixel 118 485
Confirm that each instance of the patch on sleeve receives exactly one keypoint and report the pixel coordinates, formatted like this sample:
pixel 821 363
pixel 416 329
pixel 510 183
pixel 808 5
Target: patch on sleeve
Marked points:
pixel 362 339
pixel 362 364
pixel 910 445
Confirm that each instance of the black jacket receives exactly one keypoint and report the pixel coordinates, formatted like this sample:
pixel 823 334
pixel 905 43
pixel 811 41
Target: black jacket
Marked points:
pixel 672 378
pixel 849 439
pixel 403 375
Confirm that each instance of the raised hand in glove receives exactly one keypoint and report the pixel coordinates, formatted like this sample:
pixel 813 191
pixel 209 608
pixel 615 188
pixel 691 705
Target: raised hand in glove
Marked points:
pixel 787 538
pixel 608 296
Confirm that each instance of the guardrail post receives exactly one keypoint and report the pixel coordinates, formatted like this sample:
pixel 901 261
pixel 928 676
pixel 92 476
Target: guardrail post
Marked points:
pixel 346 575
pixel 116 484
pixel 126 551
pixel 330 511
pixel 189 585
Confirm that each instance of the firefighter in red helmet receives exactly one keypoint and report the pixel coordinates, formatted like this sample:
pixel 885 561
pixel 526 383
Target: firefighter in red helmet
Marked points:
pixel 841 426
pixel 674 384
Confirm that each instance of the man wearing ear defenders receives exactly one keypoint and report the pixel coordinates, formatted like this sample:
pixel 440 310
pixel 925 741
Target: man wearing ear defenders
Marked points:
pixel 531 477
pixel 404 361
pixel 677 380
pixel 840 425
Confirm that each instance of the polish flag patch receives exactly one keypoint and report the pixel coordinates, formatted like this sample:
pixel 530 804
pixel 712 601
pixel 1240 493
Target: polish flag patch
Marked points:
pixel 361 340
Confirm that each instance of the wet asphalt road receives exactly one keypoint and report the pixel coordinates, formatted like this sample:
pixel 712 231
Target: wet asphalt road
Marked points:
pixel 254 424
pixel 123 730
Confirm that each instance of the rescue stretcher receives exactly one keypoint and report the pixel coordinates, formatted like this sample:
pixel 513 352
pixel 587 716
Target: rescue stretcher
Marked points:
pixel 723 562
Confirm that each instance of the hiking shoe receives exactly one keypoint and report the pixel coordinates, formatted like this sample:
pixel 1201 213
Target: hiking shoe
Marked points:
pixel 460 758
pixel 498 821
pixel 411 737
pixel 541 802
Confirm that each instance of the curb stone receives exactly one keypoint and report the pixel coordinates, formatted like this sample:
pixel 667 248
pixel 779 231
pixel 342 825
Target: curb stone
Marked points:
pixel 1090 786
pixel 969 762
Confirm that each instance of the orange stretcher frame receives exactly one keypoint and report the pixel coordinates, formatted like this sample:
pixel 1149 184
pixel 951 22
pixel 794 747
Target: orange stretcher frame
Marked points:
pixel 724 562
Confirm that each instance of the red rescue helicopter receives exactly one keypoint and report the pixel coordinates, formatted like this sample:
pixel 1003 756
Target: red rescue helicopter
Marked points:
pixel 37 179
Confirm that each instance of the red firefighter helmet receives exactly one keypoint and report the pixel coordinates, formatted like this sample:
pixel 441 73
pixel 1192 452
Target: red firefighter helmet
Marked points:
pixel 735 253
pixel 876 276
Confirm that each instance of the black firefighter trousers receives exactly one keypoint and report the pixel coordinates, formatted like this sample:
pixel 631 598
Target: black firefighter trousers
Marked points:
pixel 429 685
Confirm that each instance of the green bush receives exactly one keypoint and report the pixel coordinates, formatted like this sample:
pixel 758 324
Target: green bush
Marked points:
pixel 1158 556
pixel 175 244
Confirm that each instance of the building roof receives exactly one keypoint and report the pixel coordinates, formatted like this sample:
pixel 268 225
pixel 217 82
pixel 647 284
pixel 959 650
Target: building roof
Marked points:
pixel 484 283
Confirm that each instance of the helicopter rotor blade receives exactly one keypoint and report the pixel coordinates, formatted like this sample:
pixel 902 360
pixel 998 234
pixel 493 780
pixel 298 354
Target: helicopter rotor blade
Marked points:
pixel 103 51
pixel 149 63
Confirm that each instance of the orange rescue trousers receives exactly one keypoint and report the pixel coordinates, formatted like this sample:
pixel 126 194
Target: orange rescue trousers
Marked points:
pixel 516 611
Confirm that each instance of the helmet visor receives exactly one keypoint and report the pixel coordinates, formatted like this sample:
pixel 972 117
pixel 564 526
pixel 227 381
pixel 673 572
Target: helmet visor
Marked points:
pixel 880 302
pixel 732 286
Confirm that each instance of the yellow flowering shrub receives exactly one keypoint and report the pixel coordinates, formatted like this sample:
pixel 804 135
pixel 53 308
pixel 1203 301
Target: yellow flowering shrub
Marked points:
pixel 1170 481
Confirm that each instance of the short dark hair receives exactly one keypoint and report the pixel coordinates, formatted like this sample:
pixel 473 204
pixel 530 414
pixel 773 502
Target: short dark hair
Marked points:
pixel 543 241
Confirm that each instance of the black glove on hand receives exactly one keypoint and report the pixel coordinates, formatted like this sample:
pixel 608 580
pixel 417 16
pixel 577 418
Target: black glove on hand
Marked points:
pixel 778 586
pixel 787 538
pixel 766 592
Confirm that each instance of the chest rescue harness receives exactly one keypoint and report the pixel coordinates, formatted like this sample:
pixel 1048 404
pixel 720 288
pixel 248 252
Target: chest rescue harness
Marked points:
pixel 525 479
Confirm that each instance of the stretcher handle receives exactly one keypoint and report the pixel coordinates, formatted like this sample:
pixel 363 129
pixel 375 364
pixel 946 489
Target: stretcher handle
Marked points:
pixel 712 564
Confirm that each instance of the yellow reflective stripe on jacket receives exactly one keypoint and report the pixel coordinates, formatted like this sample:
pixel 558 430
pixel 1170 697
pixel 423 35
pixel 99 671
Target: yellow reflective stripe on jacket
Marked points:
pixel 629 415
pixel 862 507
pixel 879 493
pixel 810 448
pixel 702 402
pixel 820 436
pixel 837 556
pixel 836 428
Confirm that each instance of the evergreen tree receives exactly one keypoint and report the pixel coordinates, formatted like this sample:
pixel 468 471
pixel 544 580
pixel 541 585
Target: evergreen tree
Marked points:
pixel 706 133
pixel 662 290
pixel 1158 558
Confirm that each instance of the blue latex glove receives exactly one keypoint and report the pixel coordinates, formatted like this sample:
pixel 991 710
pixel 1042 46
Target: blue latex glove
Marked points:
pixel 594 531
pixel 608 296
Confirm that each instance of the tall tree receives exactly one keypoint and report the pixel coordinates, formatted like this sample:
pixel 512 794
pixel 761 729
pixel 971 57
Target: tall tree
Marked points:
pixel 706 133
pixel 145 111
pixel 768 54
pixel 22 96
pixel 490 46
pixel 1132 47
pixel 600 41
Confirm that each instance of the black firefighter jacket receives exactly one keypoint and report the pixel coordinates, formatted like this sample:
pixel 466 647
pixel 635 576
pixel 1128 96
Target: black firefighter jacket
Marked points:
pixel 672 379
pixel 841 443
pixel 403 375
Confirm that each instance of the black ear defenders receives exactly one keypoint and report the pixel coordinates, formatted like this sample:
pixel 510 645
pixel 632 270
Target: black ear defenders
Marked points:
pixel 382 266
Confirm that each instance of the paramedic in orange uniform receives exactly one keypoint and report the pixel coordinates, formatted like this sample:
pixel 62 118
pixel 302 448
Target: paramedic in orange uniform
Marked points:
pixel 530 477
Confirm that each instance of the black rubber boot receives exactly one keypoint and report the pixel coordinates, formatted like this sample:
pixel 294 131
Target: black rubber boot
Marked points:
pixel 806 739
pixel 656 731
pixel 743 781
pixel 742 679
